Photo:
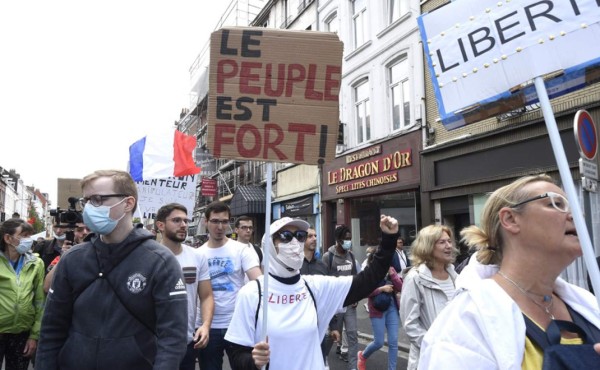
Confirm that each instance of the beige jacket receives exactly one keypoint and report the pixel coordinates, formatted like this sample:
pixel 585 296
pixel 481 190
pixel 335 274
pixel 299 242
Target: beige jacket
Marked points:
pixel 422 300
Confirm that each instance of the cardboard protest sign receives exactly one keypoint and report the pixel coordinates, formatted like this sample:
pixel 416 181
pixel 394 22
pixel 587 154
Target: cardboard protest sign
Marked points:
pixel 155 193
pixel 274 95
pixel 481 53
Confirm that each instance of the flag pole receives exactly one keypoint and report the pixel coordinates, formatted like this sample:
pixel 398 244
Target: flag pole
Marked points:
pixel 266 252
pixel 569 186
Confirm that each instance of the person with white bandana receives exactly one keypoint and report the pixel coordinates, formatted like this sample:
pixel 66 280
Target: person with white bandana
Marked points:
pixel 299 307
pixel 117 301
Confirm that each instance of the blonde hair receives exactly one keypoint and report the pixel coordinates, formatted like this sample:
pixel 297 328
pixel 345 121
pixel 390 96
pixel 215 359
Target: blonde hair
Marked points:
pixel 122 182
pixel 488 238
pixel 423 246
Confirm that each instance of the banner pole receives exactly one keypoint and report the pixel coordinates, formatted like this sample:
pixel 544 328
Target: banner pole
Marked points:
pixel 569 186
pixel 266 252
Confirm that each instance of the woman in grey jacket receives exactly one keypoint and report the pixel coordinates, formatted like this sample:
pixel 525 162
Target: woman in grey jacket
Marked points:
pixel 428 286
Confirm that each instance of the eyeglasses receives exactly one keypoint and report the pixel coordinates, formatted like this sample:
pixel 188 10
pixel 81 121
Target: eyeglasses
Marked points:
pixel 287 236
pixel 179 220
pixel 215 221
pixel 559 202
pixel 97 200
pixel 246 228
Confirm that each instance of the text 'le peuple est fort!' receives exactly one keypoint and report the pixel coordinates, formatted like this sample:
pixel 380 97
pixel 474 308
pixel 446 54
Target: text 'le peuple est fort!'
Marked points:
pixel 274 95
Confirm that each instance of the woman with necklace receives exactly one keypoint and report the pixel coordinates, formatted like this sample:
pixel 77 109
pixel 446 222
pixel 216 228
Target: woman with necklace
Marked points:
pixel 428 286
pixel 526 239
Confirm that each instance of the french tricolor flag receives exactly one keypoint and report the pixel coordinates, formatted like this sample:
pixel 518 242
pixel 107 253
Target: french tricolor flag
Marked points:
pixel 162 155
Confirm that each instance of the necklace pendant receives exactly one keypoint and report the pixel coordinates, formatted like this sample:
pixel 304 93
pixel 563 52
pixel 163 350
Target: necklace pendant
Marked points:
pixel 547 298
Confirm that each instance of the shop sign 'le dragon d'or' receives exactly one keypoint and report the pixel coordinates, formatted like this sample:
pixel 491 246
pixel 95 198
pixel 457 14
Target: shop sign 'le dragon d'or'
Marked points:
pixel 274 95
pixel 380 170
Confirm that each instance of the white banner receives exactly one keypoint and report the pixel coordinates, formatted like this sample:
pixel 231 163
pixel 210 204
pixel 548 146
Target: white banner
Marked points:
pixel 479 50
pixel 155 193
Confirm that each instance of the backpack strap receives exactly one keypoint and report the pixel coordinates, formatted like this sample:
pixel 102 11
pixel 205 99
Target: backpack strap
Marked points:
pixel 260 296
pixel 258 304
pixel 354 272
pixel 330 261
pixel 119 258
pixel 313 298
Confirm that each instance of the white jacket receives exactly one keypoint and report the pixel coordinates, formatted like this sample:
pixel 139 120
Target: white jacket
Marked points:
pixel 421 301
pixel 483 328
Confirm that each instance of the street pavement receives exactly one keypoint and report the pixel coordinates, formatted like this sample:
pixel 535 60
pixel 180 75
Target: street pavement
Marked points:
pixel 378 360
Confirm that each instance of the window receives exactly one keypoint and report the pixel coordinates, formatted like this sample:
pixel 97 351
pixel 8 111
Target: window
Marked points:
pixel 359 22
pixel 331 23
pixel 397 8
pixel 362 111
pixel 400 93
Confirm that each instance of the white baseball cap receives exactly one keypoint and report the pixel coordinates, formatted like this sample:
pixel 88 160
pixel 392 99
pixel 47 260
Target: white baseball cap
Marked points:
pixel 284 221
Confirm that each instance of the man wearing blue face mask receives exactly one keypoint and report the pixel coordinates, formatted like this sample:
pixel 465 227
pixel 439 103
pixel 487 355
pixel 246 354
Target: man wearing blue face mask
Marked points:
pixel 117 301
pixel 341 262
pixel 48 250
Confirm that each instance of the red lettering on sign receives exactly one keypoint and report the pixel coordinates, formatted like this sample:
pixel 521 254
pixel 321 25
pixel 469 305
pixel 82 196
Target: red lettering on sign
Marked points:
pixel 302 129
pixel 246 76
pixel 332 83
pixel 280 79
pixel 220 138
pixel 224 73
pixel 240 138
pixel 273 144
pixel 296 73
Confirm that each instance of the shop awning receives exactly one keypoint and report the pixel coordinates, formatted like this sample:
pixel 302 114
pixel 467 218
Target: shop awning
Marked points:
pixel 247 200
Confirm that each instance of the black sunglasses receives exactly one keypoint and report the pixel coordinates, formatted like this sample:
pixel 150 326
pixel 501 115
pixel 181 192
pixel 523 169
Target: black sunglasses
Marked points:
pixel 287 236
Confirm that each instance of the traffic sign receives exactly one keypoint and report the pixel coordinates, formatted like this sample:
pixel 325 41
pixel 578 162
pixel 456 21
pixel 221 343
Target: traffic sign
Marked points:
pixel 585 134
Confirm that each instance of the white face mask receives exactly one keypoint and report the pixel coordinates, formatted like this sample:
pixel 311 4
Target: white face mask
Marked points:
pixel 291 254
pixel 60 237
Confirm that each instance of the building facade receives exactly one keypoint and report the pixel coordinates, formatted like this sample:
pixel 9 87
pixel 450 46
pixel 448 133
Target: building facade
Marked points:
pixel 459 168
pixel 377 168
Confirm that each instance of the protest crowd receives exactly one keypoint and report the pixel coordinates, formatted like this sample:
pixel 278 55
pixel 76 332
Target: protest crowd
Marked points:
pixel 118 285
pixel 113 297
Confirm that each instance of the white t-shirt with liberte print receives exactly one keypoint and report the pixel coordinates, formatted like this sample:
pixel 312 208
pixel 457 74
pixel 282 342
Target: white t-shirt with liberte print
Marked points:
pixel 195 269
pixel 227 266
pixel 292 318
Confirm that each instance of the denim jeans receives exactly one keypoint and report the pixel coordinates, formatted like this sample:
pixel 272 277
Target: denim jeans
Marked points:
pixel 390 321
pixel 211 356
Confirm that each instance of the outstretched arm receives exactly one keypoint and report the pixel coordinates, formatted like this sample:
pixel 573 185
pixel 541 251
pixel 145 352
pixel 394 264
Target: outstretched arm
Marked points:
pixel 368 279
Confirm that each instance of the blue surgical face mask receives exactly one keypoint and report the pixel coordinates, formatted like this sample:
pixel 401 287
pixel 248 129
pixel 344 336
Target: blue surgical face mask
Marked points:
pixel 347 244
pixel 24 245
pixel 98 220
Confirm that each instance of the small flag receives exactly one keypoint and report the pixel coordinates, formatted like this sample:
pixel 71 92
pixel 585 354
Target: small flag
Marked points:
pixel 159 156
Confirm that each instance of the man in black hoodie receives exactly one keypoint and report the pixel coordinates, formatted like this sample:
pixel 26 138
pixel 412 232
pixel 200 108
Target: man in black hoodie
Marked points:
pixel 117 301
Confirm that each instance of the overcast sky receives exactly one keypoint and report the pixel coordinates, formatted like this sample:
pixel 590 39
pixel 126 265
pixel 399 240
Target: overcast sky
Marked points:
pixel 82 80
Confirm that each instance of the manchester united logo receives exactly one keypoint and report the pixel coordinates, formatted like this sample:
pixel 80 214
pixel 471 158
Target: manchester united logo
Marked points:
pixel 136 283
